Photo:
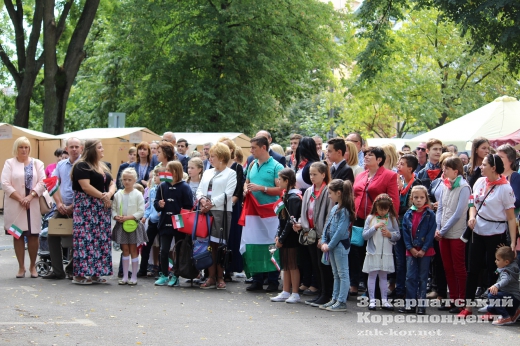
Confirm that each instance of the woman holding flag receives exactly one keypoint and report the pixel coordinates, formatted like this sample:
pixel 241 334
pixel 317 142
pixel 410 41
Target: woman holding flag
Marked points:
pixel 22 182
pixel 215 194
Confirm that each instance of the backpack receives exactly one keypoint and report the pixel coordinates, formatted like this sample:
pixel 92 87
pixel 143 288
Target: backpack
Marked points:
pixel 184 263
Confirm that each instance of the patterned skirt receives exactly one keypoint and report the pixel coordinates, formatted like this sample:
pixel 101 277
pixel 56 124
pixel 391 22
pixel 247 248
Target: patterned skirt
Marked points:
pixel 92 245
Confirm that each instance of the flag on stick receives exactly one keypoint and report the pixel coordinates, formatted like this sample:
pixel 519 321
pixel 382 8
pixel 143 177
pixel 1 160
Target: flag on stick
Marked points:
pixel 166 176
pixel 179 222
pixel 52 184
pixel 15 231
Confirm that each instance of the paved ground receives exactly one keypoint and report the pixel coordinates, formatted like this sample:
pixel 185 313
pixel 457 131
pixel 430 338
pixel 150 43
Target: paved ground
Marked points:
pixel 39 312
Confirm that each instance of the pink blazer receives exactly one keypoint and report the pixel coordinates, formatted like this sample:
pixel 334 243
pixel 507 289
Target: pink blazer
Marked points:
pixel 13 179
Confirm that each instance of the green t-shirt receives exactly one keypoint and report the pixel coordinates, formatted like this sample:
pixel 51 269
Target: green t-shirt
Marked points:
pixel 264 175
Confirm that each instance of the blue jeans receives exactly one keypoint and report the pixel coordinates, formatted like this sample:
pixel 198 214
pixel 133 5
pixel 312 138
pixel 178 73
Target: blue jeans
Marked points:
pixel 400 267
pixel 339 263
pixel 272 277
pixel 416 277
pixel 502 298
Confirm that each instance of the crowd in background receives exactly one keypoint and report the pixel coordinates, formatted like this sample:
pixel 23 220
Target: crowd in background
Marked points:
pixel 420 223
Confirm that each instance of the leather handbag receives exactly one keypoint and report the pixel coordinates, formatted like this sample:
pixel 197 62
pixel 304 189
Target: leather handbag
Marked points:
pixel 202 256
pixel 307 238
pixel 44 206
pixel 188 217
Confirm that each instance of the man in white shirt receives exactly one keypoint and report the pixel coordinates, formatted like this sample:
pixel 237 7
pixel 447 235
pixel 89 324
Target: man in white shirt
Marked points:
pixel 205 152
pixel 358 142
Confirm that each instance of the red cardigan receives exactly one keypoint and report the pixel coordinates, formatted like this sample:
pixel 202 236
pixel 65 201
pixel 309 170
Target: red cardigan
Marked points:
pixel 384 181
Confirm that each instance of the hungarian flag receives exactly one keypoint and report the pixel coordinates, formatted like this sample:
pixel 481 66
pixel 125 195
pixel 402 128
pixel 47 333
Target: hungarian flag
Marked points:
pixel 178 221
pixel 278 206
pixel 260 226
pixel 170 264
pixel 166 176
pixel 15 231
pixel 52 184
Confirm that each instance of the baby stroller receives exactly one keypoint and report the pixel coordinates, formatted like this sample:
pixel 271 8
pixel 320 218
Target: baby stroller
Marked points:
pixel 43 266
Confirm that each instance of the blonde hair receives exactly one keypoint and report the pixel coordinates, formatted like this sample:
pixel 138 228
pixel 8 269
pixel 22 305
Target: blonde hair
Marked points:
pixel 231 145
pixel 198 164
pixel 239 155
pixel 129 171
pixel 139 188
pixel 222 151
pixel 18 142
pixel 417 189
pixel 391 156
pixel 278 149
pixel 352 154
pixel 444 156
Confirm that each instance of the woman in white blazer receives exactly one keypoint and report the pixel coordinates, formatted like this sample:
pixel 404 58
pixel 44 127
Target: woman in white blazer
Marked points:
pixel 215 192
pixel 22 182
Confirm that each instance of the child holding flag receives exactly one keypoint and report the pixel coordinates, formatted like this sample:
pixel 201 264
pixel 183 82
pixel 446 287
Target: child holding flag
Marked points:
pixel 127 210
pixel 173 195
pixel 288 209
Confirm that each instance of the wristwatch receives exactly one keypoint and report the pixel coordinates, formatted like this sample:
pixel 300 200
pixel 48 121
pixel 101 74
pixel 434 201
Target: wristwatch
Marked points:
pixel 265 189
pixel 33 194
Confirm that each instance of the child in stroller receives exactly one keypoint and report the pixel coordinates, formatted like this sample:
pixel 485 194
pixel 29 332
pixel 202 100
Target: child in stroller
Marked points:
pixel 43 266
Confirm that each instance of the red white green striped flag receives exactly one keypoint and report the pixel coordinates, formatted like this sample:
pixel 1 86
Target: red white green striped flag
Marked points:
pixel 170 263
pixel 15 231
pixel 278 206
pixel 179 222
pixel 166 176
pixel 52 184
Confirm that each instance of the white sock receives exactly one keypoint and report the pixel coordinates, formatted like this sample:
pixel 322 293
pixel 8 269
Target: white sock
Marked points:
pixel 135 268
pixel 126 264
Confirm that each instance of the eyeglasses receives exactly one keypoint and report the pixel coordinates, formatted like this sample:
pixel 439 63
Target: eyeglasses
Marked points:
pixel 420 149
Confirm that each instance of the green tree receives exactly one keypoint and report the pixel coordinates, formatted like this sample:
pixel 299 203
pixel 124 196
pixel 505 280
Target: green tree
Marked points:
pixel 432 76
pixel 204 65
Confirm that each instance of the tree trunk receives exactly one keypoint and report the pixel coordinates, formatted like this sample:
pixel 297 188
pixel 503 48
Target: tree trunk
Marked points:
pixel 50 68
pixel 62 78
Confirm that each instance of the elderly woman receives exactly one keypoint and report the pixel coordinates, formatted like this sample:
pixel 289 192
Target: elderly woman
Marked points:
pixel 375 180
pixel 93 188
pixel 165 153
pixel 491 217
pixel 22 182
pixel 215 194
pixel 352 160
pixel 142 164
pixel 235 232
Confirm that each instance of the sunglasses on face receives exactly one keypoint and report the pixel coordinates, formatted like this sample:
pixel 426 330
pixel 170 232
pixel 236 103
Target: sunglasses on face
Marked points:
pixel 420 149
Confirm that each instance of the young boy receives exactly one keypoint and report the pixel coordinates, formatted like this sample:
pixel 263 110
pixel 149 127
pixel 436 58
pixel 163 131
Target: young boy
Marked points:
pixel 506 290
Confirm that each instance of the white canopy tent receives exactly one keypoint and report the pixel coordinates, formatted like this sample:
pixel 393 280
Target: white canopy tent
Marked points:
pixel 496 119
pixel 197 139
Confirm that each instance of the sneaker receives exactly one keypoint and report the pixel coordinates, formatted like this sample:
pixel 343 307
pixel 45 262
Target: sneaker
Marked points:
pixel 502 322
pixel 162 280
pixel 174 281
pixel 516 316
pixel 293 299
pixel 432 295
pixel 464 313
pixel 337 307
pixel 282 297
pixel 463 239
pixel 487 317
pixel 483 309
pixel 309 302
pixel 325 306
pixel 362 287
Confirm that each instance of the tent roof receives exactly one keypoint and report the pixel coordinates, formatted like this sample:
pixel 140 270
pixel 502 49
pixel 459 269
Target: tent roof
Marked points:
pixel 21 131
pixel 199 138
pixel 101 133
pixel 512 138
pixel 493 120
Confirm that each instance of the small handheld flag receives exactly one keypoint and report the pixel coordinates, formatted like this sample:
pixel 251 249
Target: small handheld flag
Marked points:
pixel 166 176
pixel 15 231
pixel 278 206
pixel 170 263
pixel 471 201
pixel 275 263
pixel 178 221
pixel 52 184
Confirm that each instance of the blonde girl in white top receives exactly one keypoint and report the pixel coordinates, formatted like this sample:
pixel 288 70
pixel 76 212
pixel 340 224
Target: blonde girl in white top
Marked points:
pixel 128 206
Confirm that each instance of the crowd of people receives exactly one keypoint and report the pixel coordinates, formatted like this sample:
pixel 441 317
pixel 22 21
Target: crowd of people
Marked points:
pixel 428 223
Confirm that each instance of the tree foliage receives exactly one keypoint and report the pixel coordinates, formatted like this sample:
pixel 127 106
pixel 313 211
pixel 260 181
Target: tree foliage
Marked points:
pixel 215 65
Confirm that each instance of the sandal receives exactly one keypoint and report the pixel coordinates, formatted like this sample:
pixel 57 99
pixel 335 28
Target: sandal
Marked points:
pixel 79 280
pixel 122 282
pixel 98 280
pixel 132 283
pixel 221 285
pixel 207 285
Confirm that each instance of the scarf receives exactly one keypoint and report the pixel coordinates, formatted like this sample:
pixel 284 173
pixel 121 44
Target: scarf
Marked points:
pixel 433 173
pixel 454 185
pixel 316 195
pixel 302 164
pixel 500 181
pixel 421 209
pixel 405 190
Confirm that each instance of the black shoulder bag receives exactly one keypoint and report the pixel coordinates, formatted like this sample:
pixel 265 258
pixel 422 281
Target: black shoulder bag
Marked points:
pixel 224 254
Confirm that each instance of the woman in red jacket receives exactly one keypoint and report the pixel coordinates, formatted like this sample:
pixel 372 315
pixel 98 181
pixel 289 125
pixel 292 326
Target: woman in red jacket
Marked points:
pixel 369 184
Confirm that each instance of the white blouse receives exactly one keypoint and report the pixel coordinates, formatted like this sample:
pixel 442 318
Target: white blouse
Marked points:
pixel 494 209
